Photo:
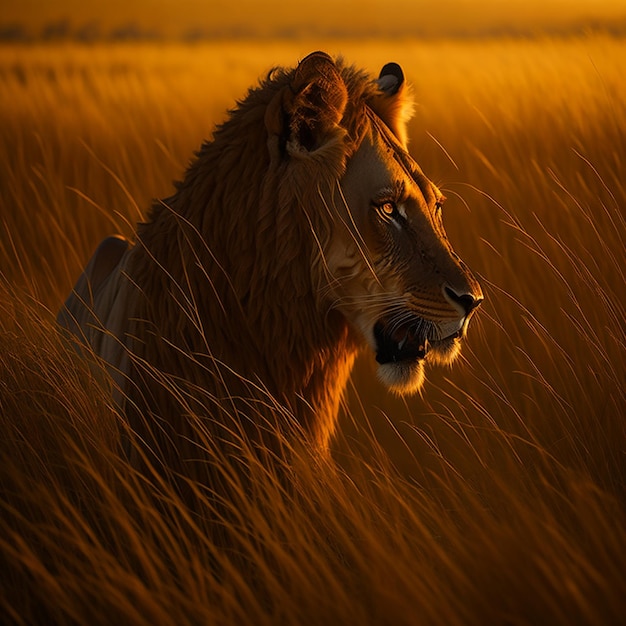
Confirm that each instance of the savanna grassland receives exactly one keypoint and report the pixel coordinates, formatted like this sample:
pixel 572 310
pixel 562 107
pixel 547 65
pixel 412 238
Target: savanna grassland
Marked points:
pixel 499 497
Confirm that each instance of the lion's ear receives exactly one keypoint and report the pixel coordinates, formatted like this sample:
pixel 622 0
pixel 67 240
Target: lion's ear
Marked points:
pixel 311 106
pixel 394 104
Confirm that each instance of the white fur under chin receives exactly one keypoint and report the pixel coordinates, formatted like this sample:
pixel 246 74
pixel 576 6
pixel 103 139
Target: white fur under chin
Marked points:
pixel 447 357
pixel 403 378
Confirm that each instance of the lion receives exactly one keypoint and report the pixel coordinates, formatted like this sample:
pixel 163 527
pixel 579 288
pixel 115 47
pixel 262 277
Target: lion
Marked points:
pixel 302 234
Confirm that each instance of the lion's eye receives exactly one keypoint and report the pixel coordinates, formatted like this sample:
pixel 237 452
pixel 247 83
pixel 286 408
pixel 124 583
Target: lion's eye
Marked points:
pixel 389 209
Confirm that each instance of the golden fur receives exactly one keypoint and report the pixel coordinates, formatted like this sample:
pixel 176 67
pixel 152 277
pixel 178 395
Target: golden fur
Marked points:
pixel 302 232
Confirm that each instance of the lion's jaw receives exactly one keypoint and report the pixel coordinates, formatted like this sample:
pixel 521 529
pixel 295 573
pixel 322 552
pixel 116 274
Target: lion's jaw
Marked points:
pixel 403 343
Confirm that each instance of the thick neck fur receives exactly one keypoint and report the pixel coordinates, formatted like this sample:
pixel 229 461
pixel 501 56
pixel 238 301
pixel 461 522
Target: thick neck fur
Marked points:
pixel 229 293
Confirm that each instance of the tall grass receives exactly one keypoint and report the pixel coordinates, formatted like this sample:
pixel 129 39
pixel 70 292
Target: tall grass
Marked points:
pixel 496 498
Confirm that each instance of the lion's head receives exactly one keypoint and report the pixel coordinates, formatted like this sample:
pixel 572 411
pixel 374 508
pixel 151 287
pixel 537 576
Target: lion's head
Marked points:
pixel 301 233
pixel 385 262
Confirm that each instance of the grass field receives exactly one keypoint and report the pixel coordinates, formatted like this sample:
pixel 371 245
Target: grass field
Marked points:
pixel 496 498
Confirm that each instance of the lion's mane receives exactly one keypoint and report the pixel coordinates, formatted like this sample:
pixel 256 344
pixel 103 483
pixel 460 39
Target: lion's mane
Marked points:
pixel 228 322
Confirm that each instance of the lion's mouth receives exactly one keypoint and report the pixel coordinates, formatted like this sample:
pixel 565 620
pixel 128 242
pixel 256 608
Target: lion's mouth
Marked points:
pixel 410 341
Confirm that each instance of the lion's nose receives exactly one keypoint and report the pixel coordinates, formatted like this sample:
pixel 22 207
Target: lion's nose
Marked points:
pixel 465 302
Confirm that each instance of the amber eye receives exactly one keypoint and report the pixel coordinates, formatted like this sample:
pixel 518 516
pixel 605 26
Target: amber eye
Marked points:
pixel 388 208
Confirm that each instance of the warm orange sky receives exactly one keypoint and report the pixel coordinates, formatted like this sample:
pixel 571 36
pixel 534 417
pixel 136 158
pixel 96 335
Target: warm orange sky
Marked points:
pixel 358 17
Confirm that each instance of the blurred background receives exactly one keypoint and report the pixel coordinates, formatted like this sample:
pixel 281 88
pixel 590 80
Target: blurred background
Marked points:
pixel 205 19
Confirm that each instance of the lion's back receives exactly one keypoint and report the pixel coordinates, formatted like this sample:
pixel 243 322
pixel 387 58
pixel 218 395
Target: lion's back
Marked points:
pixel 96 312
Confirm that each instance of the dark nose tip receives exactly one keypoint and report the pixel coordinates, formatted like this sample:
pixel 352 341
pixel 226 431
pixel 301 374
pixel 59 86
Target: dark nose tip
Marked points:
pixel 466 301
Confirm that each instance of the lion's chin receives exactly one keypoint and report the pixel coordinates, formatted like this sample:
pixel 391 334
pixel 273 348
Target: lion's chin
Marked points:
pixel 402 377
pixel 406 377
pixel 444 352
